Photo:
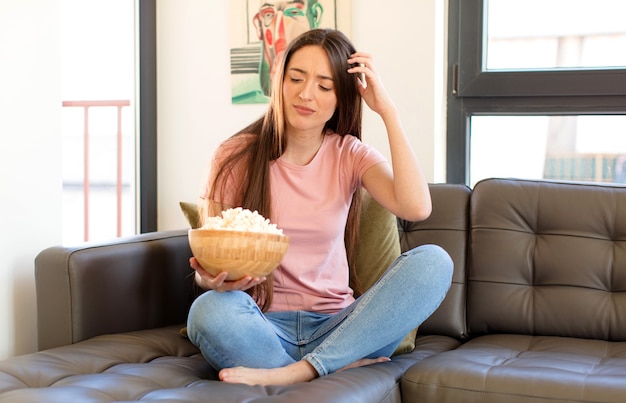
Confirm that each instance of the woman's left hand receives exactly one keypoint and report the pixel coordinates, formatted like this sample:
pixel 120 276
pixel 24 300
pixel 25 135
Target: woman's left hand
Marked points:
pixel 207 281
pixel 370 86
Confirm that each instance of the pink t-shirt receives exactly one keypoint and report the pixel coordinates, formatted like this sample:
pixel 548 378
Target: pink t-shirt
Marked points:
pixel 310 204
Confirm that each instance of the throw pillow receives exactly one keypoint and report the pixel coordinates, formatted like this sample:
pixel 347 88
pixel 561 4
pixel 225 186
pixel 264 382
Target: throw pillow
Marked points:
pixel 190 210
pixel 379 243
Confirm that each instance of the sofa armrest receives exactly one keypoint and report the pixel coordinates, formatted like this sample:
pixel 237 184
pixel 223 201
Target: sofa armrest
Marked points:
pixel 127 284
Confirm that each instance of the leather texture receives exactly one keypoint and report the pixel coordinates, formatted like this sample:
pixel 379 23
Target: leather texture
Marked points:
pixel 161 365
pixel 546 299
pixel 521 368
pixel 126 284
pixel 536 312
pixel 447 227
pixel 548 259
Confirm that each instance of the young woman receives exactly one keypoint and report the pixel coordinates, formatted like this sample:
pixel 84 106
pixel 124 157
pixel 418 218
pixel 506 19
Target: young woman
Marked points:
pixel 302 165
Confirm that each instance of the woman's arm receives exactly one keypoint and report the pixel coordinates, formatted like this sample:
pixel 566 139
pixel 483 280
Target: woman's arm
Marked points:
pixel 400 187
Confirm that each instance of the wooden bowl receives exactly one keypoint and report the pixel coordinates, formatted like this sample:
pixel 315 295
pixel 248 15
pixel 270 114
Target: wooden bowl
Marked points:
pixel 240 253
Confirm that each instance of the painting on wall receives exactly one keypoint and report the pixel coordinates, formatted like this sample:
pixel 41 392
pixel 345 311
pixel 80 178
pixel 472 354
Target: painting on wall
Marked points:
pixel 260 31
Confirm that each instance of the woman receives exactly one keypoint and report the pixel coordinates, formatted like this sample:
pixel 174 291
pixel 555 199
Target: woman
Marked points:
pixel 302 166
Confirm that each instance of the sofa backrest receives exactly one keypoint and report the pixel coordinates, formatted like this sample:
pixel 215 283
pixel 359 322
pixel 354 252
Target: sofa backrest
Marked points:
pixel 547 258
pixel 447 227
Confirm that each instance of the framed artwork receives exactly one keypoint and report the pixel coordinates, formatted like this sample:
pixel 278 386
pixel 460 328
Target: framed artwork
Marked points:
pixel 260 31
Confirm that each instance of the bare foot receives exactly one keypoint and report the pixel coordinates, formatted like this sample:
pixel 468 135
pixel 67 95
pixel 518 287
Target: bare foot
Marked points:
pixel 300 371
pixel 364 361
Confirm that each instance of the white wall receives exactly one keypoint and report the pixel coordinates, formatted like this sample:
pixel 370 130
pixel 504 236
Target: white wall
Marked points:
pixel 194 109
pixel 30 160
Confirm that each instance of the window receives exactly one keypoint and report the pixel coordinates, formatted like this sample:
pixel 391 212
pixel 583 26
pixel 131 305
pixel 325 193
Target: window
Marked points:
pixel 554 34
pixel 537 89
pixel 101 179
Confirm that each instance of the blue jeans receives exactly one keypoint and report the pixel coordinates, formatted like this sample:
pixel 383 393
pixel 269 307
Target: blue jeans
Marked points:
pixel 231 331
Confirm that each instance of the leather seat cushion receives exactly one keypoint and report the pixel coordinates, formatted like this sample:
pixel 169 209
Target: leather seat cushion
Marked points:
pixel 160 364
pixel 498 368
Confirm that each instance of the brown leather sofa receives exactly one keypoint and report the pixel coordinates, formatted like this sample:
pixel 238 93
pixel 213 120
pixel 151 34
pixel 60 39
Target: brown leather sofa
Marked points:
pixel 536 312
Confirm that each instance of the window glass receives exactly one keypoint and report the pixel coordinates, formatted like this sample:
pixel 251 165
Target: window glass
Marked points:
pixel 98 119
pixel 568 147
pixel 551 34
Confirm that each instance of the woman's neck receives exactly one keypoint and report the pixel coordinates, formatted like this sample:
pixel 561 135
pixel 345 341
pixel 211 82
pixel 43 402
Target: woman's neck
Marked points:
pixel 301 149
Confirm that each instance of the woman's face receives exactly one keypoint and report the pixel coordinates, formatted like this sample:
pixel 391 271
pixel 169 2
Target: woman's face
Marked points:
pixel 308 90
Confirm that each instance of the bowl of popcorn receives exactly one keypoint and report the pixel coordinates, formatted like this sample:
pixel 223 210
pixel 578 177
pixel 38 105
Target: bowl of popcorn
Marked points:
pixel 240 242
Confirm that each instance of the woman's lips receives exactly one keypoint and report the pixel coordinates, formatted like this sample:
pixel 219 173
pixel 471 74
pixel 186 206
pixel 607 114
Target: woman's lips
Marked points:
pixel 303 110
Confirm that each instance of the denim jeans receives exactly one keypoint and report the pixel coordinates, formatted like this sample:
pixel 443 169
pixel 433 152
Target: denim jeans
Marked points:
pixel 230 330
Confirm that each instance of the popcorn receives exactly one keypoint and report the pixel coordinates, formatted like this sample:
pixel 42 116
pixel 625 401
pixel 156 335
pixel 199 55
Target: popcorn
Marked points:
pixel 239 219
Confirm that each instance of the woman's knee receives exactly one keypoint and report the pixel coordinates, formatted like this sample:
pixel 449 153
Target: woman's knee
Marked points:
pixel 433 262
pixel 213 307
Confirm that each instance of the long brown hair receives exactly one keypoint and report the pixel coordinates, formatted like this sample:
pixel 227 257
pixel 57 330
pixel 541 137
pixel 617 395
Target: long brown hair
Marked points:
pixel 267 142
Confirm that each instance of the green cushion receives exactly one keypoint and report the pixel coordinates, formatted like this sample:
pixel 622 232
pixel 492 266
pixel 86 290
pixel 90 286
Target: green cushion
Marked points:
pixel 379 243
pixel 190 210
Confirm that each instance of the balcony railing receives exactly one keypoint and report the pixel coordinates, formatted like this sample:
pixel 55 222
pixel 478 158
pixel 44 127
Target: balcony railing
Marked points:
pixel 586 167
pixel 86 183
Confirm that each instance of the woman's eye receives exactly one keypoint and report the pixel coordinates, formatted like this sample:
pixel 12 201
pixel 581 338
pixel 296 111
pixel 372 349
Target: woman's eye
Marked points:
pixel 325 88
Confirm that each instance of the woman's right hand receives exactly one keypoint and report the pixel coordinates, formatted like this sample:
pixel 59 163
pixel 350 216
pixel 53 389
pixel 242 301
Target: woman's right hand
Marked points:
pixel 207 281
